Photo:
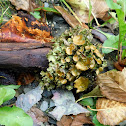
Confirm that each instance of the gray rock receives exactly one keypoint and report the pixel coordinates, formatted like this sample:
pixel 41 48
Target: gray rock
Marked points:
pixel 26 90
pixel 51 104
pixel 26 101
pixel 44 106
pixel 47 94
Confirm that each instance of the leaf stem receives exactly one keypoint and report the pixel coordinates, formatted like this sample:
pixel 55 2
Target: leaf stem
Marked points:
pixel 87 97
pixel 108 48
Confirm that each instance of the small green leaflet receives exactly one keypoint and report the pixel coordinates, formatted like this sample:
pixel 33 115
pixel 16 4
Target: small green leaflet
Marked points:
pixel 111 42
pixel 36 14
pixel 7 92
pixel 87 102
pixel 14 117
pixel 47 9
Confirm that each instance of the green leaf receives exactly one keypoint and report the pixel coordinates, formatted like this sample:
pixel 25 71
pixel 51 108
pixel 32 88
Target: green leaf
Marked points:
pixel 10 86
pixel 14 117
pixel 87 102
pixel 124 53
pixel 2 94
pixel 123 5
pixel 7 92
pixel 48 9
pixel 113 5
pixel 111 42
pixel 36 14
pixel 122 25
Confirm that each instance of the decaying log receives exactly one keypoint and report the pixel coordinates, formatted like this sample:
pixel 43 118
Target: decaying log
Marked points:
pixel 24 42
pixel 24 55
pixel 25 58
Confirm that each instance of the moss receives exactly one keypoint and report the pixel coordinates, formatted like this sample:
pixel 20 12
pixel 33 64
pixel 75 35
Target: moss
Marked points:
pixel 68 61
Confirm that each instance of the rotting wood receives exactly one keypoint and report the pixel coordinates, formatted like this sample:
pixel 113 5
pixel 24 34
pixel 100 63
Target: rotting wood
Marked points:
pixel 24 42
pixel 22 46
pixel 24 58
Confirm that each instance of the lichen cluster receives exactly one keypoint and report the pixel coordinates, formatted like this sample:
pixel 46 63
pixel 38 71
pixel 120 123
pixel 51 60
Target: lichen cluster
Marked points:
pixel 74 61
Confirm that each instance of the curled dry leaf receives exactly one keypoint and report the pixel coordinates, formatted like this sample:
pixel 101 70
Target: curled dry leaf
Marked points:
pixel 25 28
pixel 113 85
pixel 111 113
pixel 70 19
pixel 77 120
pixel 82 7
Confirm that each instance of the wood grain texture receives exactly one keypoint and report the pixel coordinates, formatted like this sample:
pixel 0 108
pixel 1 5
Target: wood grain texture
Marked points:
pixel 24 58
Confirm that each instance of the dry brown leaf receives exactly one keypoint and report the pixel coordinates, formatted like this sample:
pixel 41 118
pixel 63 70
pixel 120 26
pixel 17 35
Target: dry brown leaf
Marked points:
pixel 65 121
pixel 81 119
pixel 113 85
pixel 37 115
pixel 71 20
pixel 81 8
pixel 77 120
pixel 26 5
pixel 111 113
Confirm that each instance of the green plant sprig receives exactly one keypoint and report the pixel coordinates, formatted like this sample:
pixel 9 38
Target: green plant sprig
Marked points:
pixel 120 40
